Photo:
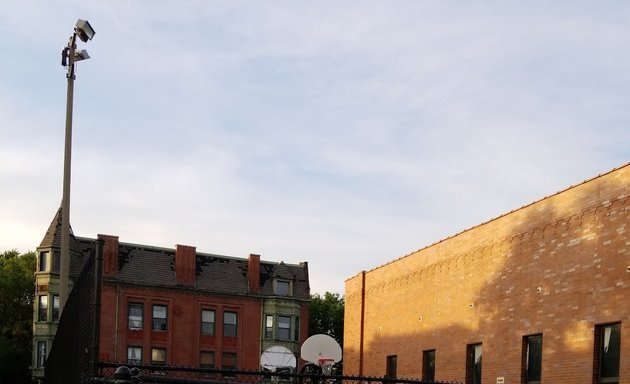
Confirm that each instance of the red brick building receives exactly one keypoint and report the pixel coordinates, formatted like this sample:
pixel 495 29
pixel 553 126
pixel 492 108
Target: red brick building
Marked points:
pixel 177 307
pixel 537 295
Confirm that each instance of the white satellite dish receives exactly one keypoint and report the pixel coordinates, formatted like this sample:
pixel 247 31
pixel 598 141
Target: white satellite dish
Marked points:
pixel 277 357
pixel 321 349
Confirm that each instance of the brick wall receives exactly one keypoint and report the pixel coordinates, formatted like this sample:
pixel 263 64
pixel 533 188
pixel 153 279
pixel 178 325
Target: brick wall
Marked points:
pixel 182 339
pixel 558 266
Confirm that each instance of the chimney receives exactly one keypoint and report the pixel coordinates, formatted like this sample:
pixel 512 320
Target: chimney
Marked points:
pixel 110 255
pixel 253 273
pixel 185 264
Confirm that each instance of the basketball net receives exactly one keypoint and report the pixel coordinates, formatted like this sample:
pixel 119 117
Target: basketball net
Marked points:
pixel 326 365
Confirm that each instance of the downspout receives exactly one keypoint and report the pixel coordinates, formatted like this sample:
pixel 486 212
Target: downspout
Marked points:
pixel 116 335
pixel 98 285
pixel 362 327
pixel 263 329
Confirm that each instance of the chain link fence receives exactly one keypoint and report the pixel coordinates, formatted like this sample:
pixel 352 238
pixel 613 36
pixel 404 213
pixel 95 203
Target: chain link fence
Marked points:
pixel 74 352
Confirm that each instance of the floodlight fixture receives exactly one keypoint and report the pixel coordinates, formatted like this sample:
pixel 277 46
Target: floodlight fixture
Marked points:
pixel 81 55
pixel 84 30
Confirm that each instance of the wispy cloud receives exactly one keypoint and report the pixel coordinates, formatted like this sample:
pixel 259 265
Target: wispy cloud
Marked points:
pixel 343 134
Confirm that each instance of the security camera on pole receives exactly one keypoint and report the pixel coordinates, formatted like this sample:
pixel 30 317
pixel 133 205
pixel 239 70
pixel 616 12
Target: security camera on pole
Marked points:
pixel 69 56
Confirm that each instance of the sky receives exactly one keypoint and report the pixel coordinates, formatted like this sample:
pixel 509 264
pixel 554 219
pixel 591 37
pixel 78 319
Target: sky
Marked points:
pixel 345 134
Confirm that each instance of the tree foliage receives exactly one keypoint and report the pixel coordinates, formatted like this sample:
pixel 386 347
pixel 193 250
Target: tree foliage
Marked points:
pixel 326 315
pixel 17 288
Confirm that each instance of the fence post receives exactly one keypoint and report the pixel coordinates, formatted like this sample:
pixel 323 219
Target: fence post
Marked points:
pixel 122 375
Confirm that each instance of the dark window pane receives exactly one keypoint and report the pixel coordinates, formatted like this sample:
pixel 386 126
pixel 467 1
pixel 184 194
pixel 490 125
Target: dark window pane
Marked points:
pixel 533 363
pixel 229 360
pixel 610 343
pixel 428 365
pixel 229 324
pixel 159 318
pixel 56 265
pixel 282 288
pixel 55 308
pixel 207 322
pixel 43 261
pixel 206 359
pixel 284 327
pixel 473 376
pixel 296 329
pixel 391 366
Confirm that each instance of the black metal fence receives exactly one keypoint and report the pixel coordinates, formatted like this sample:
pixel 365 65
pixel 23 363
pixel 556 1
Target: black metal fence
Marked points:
pixel 149 374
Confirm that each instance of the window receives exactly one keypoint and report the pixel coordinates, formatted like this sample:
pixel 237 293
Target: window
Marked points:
pixel 136 316
pixel 134 355
pixel 42 312
pixel 229 360
pixel 296 329
pixel 284 327
pixel 532 359
pixel 55 308
pixel 41 354
pixel 159 318
pixel 206 359
pixel 43 261
pixel 283 288
pixel 56 265
pixel 428 365
pixel 229 324
pixel 158 356
pixel 269 327
pixel 391 366
pixel 608 343
pixel 473 364
pixel 207 322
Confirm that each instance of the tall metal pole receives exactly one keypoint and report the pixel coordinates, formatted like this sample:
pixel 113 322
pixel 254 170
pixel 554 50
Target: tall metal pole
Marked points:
pixel 64 272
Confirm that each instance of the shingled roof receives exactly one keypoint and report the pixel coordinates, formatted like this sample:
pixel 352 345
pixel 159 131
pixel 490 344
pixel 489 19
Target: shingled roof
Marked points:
pixel 155 266
pixel 78 249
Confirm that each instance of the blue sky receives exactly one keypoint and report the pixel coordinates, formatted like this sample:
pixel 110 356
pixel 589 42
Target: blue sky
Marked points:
pixel 345 134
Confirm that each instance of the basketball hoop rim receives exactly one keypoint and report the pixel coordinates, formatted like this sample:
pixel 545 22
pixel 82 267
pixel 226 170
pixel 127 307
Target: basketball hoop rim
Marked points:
pixel 325 361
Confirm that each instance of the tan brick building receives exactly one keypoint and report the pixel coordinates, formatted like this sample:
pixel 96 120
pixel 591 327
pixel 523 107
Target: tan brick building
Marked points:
pixel 539 294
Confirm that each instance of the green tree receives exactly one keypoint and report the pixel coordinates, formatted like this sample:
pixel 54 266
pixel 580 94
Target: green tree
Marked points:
pixel 326 315
pixel 17 289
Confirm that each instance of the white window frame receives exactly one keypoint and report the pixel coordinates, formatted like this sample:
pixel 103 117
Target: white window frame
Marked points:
pixel 135 322
pixel 42 349
pixel 134 355
pixel 284 327
pixel 212 321
pixel 159 322
pixel 42 308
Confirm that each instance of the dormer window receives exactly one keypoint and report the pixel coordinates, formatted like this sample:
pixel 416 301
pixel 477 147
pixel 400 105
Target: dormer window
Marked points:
pixel 283 288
